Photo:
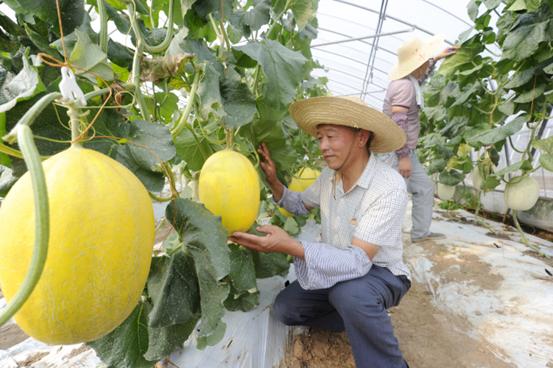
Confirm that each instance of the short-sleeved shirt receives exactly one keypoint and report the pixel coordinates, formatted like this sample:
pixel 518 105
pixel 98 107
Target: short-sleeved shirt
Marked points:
pixel 401 92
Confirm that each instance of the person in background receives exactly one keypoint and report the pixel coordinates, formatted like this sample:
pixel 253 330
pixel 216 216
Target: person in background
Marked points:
pixel 351 277
pixel 402 103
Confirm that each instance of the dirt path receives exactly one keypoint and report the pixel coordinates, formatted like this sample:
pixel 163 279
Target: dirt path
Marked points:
pixel 428 338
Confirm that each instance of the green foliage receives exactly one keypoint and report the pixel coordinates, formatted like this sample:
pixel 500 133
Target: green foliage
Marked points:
pixel 480 100
pixel 159 123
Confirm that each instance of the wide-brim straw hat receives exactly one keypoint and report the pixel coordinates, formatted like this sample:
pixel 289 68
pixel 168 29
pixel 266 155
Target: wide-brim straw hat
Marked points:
pixel 413 53
pixel 351 112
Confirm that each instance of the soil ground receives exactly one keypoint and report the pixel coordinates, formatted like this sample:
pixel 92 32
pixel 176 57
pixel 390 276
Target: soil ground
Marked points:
pixel 428 338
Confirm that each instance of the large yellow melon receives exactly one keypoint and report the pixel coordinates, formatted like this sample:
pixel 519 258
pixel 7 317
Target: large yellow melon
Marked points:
pixel 100 247
pixel 229 188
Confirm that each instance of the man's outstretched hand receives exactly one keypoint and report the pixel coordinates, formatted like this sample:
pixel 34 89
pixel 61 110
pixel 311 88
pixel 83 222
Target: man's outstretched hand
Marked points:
pixel 276 240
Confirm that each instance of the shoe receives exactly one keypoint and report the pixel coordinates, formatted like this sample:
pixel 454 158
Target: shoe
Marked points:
pixel 430 236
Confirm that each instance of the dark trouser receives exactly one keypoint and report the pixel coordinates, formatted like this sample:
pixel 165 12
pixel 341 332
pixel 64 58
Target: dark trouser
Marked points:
pixel 358 306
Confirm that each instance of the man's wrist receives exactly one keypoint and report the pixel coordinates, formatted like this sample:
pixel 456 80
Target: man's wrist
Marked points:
pixel 277 188
pixel 295 248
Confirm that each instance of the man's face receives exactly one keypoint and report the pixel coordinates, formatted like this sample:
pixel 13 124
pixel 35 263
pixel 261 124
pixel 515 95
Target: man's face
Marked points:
pixel 336 143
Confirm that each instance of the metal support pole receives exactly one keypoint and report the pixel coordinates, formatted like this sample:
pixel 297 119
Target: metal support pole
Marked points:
pixel 374 48
pixel 363 38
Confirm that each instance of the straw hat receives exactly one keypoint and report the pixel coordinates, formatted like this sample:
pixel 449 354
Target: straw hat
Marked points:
pixel 352 112
pixel 413 53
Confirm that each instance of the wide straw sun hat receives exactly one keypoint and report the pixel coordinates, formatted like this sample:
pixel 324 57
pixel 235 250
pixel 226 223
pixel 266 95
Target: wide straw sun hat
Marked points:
pixel 352 112
pixel 413 53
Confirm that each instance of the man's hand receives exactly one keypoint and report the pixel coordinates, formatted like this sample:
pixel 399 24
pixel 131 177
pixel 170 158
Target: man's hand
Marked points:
pixel 269 168
pixel 276 241
pixel 268 165
pixel 404 166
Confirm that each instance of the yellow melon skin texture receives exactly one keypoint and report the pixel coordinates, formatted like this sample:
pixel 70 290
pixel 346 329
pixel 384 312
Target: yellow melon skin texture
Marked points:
pixel 100 247
pixel 303 179
pixel 229 188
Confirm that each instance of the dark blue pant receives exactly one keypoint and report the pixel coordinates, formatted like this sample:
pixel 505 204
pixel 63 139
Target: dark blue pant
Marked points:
pixel 358 306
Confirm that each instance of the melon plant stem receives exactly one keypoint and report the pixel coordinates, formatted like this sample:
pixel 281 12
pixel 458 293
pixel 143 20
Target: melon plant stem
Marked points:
pixel 74 121
pixel 523 237
pixel 103 26
pixel 154 49
pixel 183 119
pixel 42 223
pixel 230 137
pixel 136 81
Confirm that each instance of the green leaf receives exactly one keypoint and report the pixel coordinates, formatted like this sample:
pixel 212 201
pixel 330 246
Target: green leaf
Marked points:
pixel 466 93
pixel 507 108
pixel 125 346
pixel 548 69
pixel 520 78
pixel 492 4
pixel 72 12
pixel 89 60
pixel 451 177
pixel 517 5
pixel 141 159
pixel 150 144
pixel 524 165
pixel 272 134
pixel 23 86
pixel 472 9
pixel 546 161
pixel 530 5
pixel 492 136
pixel 463 56
pixel 489 183
pixel 524 41
pixel 283 70
pixel 270 264
pixel 291 226
pixel 212 296
pixel 166 103
pixel 164 340
pixel 194 148
pixel 544 145
pixel 244 294
pixel 121 20
pixel 437 165
pixel 206 240
pixel 530 94
pixel 242 269
pixel 304 11
pixel 258 15
pixel 241 301
pixel 200 229
pixel 209 92
pixel 173 287
pixel 238 101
